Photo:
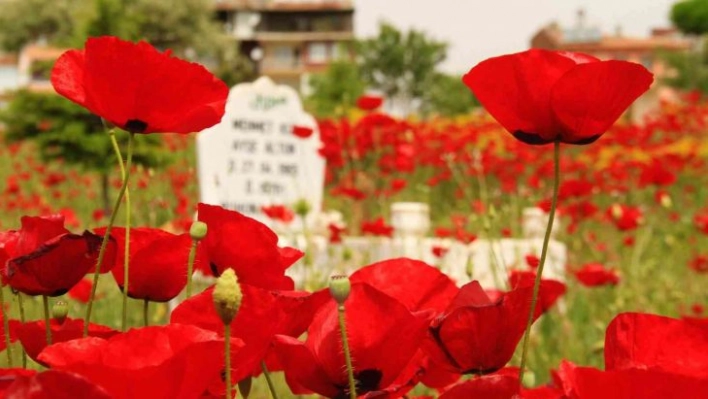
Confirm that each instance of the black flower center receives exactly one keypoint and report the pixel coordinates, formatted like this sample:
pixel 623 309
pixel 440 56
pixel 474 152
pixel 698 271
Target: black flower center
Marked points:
pixel 135 126
pixel 366 381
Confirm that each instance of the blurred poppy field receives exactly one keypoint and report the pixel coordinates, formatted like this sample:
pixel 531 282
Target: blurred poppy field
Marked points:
pixel 632 209
pixel 625 319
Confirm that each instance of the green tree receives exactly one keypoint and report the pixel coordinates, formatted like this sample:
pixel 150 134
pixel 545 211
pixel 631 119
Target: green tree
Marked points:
pixel 401 65
pixel 336 90
pixel 691 16
pixel 25 21
pixel 66 131
pixel 448 96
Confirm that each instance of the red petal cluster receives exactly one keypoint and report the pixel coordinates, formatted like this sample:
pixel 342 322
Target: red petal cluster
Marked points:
pixel 138 88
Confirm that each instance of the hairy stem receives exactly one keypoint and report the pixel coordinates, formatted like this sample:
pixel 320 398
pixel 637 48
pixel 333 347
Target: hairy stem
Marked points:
pixel 104 243
pixel 542 261
pixel 347 353
pixel 47 325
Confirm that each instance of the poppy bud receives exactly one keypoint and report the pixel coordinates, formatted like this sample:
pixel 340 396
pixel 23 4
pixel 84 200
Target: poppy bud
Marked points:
pixel 339 288
pixel 347 254
pixel 59 311
pixel 665 201
pixel 529 379
pixel 616 211
pixel 227 296
pixel 198 230
pixel 302 207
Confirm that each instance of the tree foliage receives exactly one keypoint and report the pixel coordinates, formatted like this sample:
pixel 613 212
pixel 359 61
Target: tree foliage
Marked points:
pixel 401 64
pixel 337 89
pixel 404 66
pixel 24 21
pixel 448 96
pixel 691 16
pixel 66 131
pixel 690 71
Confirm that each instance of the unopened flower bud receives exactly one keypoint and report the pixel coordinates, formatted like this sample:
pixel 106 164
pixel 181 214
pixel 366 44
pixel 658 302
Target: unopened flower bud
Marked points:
pixel 616 211
pixel 339 288
pixel 59 311
pixel 302 207
pixel 227 296
pixel 529 379
pixel 198 230
pixel 665 200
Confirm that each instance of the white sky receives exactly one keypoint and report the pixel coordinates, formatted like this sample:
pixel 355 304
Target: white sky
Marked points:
pixel 478 29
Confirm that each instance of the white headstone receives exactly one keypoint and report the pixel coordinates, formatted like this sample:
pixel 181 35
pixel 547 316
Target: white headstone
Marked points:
pixel 252 159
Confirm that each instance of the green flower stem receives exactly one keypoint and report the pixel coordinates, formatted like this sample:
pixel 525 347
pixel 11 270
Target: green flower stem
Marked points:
pixel 347 353
pixel 544 252
pixel 146 303
pixel 6 326
pixel 190 266
pixel 271 386
pixel 47 325
pixel 21 306
pixel 126 254
pixel 104 243
pixel 227 356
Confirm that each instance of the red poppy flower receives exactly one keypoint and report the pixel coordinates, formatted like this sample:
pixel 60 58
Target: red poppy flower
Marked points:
pixel 488 387
pixel 44 258
pixel 590 383
pixel 532 261
pixel 33 336
pixel 699 263
pixel 625 217
pixel 262 314
pixel 173 361
pixel 383 336
pixel 647 341
pixel 478 336
pixel 369 102
pixel 543 96
pixel 439 251
pixel 701 222
pixel 656 173
pixel 302 132
pixel 595 275
pixel 158 262
pixel 423 288
pixel 377 227
pixel 54 384
pixel 13 324
pixel 279 213
pixel 335 233
pixel 138 88
pixel 247 246
pixel 9 375
pixel 81 291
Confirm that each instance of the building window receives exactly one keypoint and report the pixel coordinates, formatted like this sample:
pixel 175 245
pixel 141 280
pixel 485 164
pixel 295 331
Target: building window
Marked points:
pixel 317 52
pixel 285 56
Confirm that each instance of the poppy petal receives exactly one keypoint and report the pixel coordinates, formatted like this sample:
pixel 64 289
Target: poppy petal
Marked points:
pixel 516 90
pixel 589 98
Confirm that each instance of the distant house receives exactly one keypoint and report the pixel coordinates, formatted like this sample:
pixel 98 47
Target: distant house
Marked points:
pixel 591 40
pixel 8 76
pixel 34 66
pixel 290 39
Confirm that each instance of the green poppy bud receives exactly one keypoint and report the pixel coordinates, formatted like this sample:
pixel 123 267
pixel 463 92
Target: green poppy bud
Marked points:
pixel 198 230
pixel 227 296
pixel 339 288
pixel 302 208
pixel 59 311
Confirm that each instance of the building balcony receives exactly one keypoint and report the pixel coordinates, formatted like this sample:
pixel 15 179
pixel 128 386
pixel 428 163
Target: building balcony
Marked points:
pixel 283 5
pixel 302 36
pixel 274 66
